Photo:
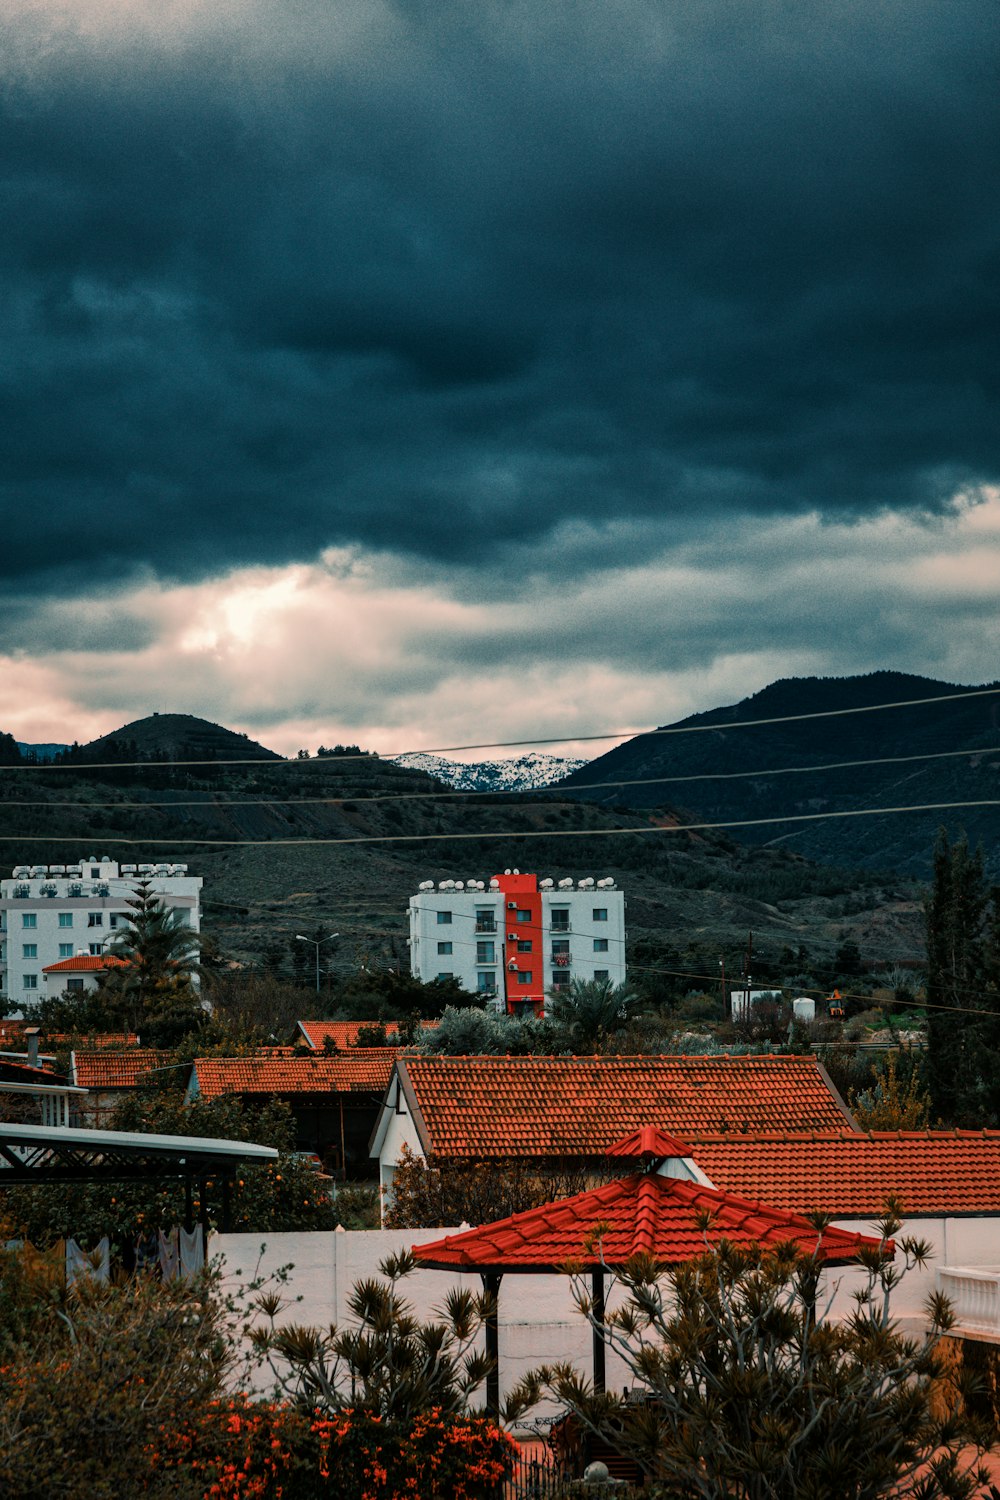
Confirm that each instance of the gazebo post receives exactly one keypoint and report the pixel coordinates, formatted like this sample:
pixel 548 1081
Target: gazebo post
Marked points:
pixel 491 1286
pixel 597 1326
pixel 227 1221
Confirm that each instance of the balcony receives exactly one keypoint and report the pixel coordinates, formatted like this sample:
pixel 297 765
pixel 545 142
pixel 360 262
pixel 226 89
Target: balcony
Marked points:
pixel 489 926
pixel 975 1298
pixel 561 927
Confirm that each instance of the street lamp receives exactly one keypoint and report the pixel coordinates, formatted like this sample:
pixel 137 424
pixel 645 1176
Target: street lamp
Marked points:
pixel 317 944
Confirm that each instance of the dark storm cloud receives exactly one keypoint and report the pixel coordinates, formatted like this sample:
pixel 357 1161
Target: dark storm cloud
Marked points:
pixel 439 278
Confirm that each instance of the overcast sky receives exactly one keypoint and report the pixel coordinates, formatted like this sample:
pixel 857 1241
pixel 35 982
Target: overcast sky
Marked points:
pixel 426 372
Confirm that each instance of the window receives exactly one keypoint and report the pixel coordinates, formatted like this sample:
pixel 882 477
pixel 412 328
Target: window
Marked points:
pixel 113 919
pixel 486 983
pixel 444 918
pixel 600 913
pixel 95 919
pixel 29 950
pixel 31 981
pixel 560 945
pixel 486 953
pixel 29 919
pixel 65 919
pixel 600 945
pixel 96 949
pixel 74 984
pixel 65 950
pixel 524 945
pixel 524 914
pixel 560 919
pixel 524 976
pixel 95 874
pixel 444 949
pixel 601 974
pixel 485 919
pixel 445 976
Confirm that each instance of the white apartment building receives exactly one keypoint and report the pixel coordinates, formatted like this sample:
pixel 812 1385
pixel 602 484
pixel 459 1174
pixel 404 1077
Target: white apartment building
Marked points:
pixel 514 939
pixel 53 912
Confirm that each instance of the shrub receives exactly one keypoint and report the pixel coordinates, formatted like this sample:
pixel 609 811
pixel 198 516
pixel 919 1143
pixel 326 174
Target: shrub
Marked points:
pixel 739 1388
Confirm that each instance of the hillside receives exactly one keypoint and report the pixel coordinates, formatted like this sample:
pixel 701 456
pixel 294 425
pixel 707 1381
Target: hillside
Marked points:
pixel 171 737
pixel 691 898
pixel 904 735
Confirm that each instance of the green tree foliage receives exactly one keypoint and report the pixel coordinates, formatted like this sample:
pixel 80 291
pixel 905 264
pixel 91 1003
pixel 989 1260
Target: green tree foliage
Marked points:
pixel 739 1390
pixel 265 1199
pixel 897 1098
pixel 589 1011
pixel 90 1377
pixel 963 989
pixel 473 1032
pixel 388 995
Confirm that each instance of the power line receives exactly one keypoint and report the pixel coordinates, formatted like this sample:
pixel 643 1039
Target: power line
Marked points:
pixel 183 841
pixel 612 734
pixel 208 801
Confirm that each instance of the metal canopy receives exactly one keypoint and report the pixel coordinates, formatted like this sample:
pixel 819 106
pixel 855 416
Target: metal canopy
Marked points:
pixel 43 1153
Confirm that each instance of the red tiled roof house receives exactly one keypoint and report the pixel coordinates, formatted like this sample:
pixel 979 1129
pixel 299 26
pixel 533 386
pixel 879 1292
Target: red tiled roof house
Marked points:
pixel 568 1108
pixel 334 1099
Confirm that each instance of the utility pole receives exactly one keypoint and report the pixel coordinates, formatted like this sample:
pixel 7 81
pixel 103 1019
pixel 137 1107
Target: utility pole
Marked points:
pixel 317 944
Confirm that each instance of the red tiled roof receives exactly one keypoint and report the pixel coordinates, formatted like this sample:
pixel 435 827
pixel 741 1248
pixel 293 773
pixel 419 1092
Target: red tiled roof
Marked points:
pixel 345 1033
pixel 85 962
pixel 643 1213
pixel 120 1070
pixel 851 1175
pixel 13 1031
pixel 573 1106
pixel 360 1070
pixel 649 1142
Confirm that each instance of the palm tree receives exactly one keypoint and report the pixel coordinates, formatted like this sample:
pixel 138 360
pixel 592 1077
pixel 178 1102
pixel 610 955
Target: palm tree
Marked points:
pixel 159 959
pixel 591 1010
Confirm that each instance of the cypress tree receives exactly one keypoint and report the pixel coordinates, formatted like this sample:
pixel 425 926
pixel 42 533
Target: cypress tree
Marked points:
pixel 963 928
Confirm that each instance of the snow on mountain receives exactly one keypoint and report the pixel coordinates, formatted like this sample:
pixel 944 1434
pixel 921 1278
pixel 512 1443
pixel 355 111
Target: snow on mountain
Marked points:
pixel 521 773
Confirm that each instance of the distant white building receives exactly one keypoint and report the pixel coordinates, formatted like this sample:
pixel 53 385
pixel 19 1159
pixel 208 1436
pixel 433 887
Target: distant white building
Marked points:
pixel 50 913
pixel 514 938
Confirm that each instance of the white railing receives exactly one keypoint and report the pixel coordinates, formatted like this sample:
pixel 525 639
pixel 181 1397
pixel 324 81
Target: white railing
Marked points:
pixel 974 1296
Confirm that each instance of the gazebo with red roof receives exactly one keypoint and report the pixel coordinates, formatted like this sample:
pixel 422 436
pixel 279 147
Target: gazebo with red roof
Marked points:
pixel 661 1212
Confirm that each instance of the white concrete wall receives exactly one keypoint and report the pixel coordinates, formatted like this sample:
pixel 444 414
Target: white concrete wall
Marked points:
pixel 538 1322
pixel 400 1131
pixel 973 1242
pixel 538 1319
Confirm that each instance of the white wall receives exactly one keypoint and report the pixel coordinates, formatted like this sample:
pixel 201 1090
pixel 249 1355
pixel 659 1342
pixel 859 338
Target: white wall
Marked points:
pixel 538 1321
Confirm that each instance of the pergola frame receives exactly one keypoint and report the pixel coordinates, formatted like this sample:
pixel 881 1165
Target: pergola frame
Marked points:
pixel 42 1154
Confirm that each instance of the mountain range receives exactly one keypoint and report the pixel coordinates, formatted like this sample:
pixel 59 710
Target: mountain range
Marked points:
pixel 518 773
pixel 723 767
pixel 339 842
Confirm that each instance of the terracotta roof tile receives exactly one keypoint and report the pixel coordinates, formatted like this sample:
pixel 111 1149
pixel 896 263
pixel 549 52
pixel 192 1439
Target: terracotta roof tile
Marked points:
pixel 851 1175
pixel 658 1215
pixel 119 1070
pixel 85 963
pixel 565 1106
pixel 360 1070
pixel 345 1033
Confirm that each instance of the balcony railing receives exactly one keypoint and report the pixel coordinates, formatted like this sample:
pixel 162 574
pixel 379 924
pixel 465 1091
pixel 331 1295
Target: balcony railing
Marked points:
pixel 975 1297
pixel 489 926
